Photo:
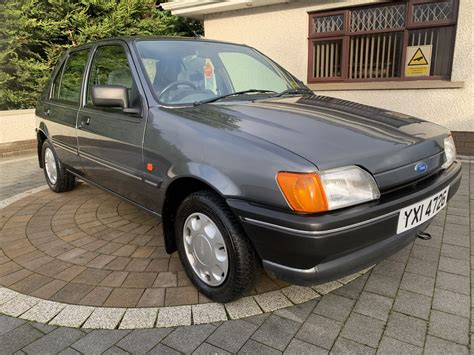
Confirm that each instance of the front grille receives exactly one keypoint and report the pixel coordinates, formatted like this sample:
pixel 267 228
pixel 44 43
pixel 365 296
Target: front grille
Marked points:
pixel 412 185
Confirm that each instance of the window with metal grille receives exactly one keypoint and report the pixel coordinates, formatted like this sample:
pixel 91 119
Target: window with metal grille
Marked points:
pixel 372 43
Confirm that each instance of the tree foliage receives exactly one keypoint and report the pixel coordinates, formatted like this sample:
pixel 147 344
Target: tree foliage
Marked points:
pixel 34 33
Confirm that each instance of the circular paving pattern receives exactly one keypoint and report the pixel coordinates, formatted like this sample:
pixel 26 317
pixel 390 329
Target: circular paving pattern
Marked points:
pixel 103 260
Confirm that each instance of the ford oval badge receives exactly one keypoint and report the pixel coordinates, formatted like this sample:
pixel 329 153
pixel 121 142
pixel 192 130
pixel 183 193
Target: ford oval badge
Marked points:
pixel 421 167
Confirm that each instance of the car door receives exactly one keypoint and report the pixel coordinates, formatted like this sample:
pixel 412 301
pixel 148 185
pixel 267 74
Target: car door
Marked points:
pixel 61 107
pixel 110 141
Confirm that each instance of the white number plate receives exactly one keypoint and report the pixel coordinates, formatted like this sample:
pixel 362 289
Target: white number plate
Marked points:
pixel 420 212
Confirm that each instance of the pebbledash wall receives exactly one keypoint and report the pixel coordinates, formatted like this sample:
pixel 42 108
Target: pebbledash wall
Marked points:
pixel 281 32
pixel 17 133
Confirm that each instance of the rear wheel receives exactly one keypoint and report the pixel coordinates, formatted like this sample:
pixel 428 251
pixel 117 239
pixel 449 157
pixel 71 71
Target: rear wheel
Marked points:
pixel 57 177
pixel 216 254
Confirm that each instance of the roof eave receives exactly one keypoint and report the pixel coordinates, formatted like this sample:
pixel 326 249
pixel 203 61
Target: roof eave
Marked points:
pixel 199 9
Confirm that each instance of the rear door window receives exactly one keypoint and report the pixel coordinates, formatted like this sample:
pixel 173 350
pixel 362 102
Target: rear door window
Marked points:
pixel 67 86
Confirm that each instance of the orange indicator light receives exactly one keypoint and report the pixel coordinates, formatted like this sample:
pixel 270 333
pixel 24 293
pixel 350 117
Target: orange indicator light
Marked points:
pixel 149 167
pixel 303 191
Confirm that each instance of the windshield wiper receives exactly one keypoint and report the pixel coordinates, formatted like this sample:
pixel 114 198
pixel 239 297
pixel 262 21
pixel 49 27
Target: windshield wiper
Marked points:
pixel 243 92
pixel 293 91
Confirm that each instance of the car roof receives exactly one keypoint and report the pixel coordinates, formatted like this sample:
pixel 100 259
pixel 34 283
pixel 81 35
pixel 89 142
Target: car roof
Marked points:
pixel 131 39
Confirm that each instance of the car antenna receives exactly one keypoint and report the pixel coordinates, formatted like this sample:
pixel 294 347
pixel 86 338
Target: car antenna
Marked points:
pixel 196 35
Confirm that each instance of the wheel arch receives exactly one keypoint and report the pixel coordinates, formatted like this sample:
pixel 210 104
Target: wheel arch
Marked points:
pixel 41 137
pixel 175 193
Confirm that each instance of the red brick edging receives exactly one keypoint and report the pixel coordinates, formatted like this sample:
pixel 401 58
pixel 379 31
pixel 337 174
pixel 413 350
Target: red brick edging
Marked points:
pixel 20 148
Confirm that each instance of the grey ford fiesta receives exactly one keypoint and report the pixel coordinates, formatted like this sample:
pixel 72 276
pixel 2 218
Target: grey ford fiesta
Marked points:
pixel 244 165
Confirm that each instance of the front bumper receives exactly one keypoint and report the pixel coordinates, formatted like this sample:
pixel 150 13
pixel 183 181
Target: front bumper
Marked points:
pixel 311 249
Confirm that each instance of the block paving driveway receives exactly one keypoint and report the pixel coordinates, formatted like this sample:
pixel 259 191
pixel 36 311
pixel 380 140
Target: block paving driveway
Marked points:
pixel 416 301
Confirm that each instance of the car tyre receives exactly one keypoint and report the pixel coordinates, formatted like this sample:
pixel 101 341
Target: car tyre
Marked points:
pixel 57 177
pixel 208 210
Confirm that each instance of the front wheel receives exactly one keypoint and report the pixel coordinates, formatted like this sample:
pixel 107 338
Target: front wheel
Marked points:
pixel 216 254
pixel 57 177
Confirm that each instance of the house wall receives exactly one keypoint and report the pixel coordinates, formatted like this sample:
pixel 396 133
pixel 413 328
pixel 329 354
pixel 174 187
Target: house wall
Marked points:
pixel 281 31
pixel 17 133
pixel 17 125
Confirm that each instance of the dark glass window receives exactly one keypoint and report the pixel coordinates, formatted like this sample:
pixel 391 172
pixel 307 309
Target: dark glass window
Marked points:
pixel 371 43
pixel 110 67
pixel 67 87
pixel 57 83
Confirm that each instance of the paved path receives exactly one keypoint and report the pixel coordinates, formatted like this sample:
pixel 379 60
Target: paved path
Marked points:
pixel 91 248
pixel 418 300
pixel 18 175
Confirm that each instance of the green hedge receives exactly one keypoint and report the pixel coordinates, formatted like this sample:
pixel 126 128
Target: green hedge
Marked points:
pixel 34 33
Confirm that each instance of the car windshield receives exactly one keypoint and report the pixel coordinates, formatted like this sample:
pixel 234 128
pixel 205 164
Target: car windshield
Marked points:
pixel 195 72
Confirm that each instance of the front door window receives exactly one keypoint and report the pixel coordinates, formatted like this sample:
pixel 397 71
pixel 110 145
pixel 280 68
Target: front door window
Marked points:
pixel 110 67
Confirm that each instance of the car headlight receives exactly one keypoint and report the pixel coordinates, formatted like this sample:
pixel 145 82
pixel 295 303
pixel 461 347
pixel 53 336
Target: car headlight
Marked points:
pixel 327 190
pixel 449 152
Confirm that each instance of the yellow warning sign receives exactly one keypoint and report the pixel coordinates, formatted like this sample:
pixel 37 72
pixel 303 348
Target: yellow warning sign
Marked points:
pixel 418 61
pixel 418 58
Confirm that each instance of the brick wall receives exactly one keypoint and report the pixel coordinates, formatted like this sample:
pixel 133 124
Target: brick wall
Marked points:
pixel 15 149
pixel 464 142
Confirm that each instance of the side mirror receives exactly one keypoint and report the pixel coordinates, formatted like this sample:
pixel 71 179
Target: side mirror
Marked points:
pixel 112 96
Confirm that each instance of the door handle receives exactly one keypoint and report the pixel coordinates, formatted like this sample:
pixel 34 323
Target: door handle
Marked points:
pixel 85 121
